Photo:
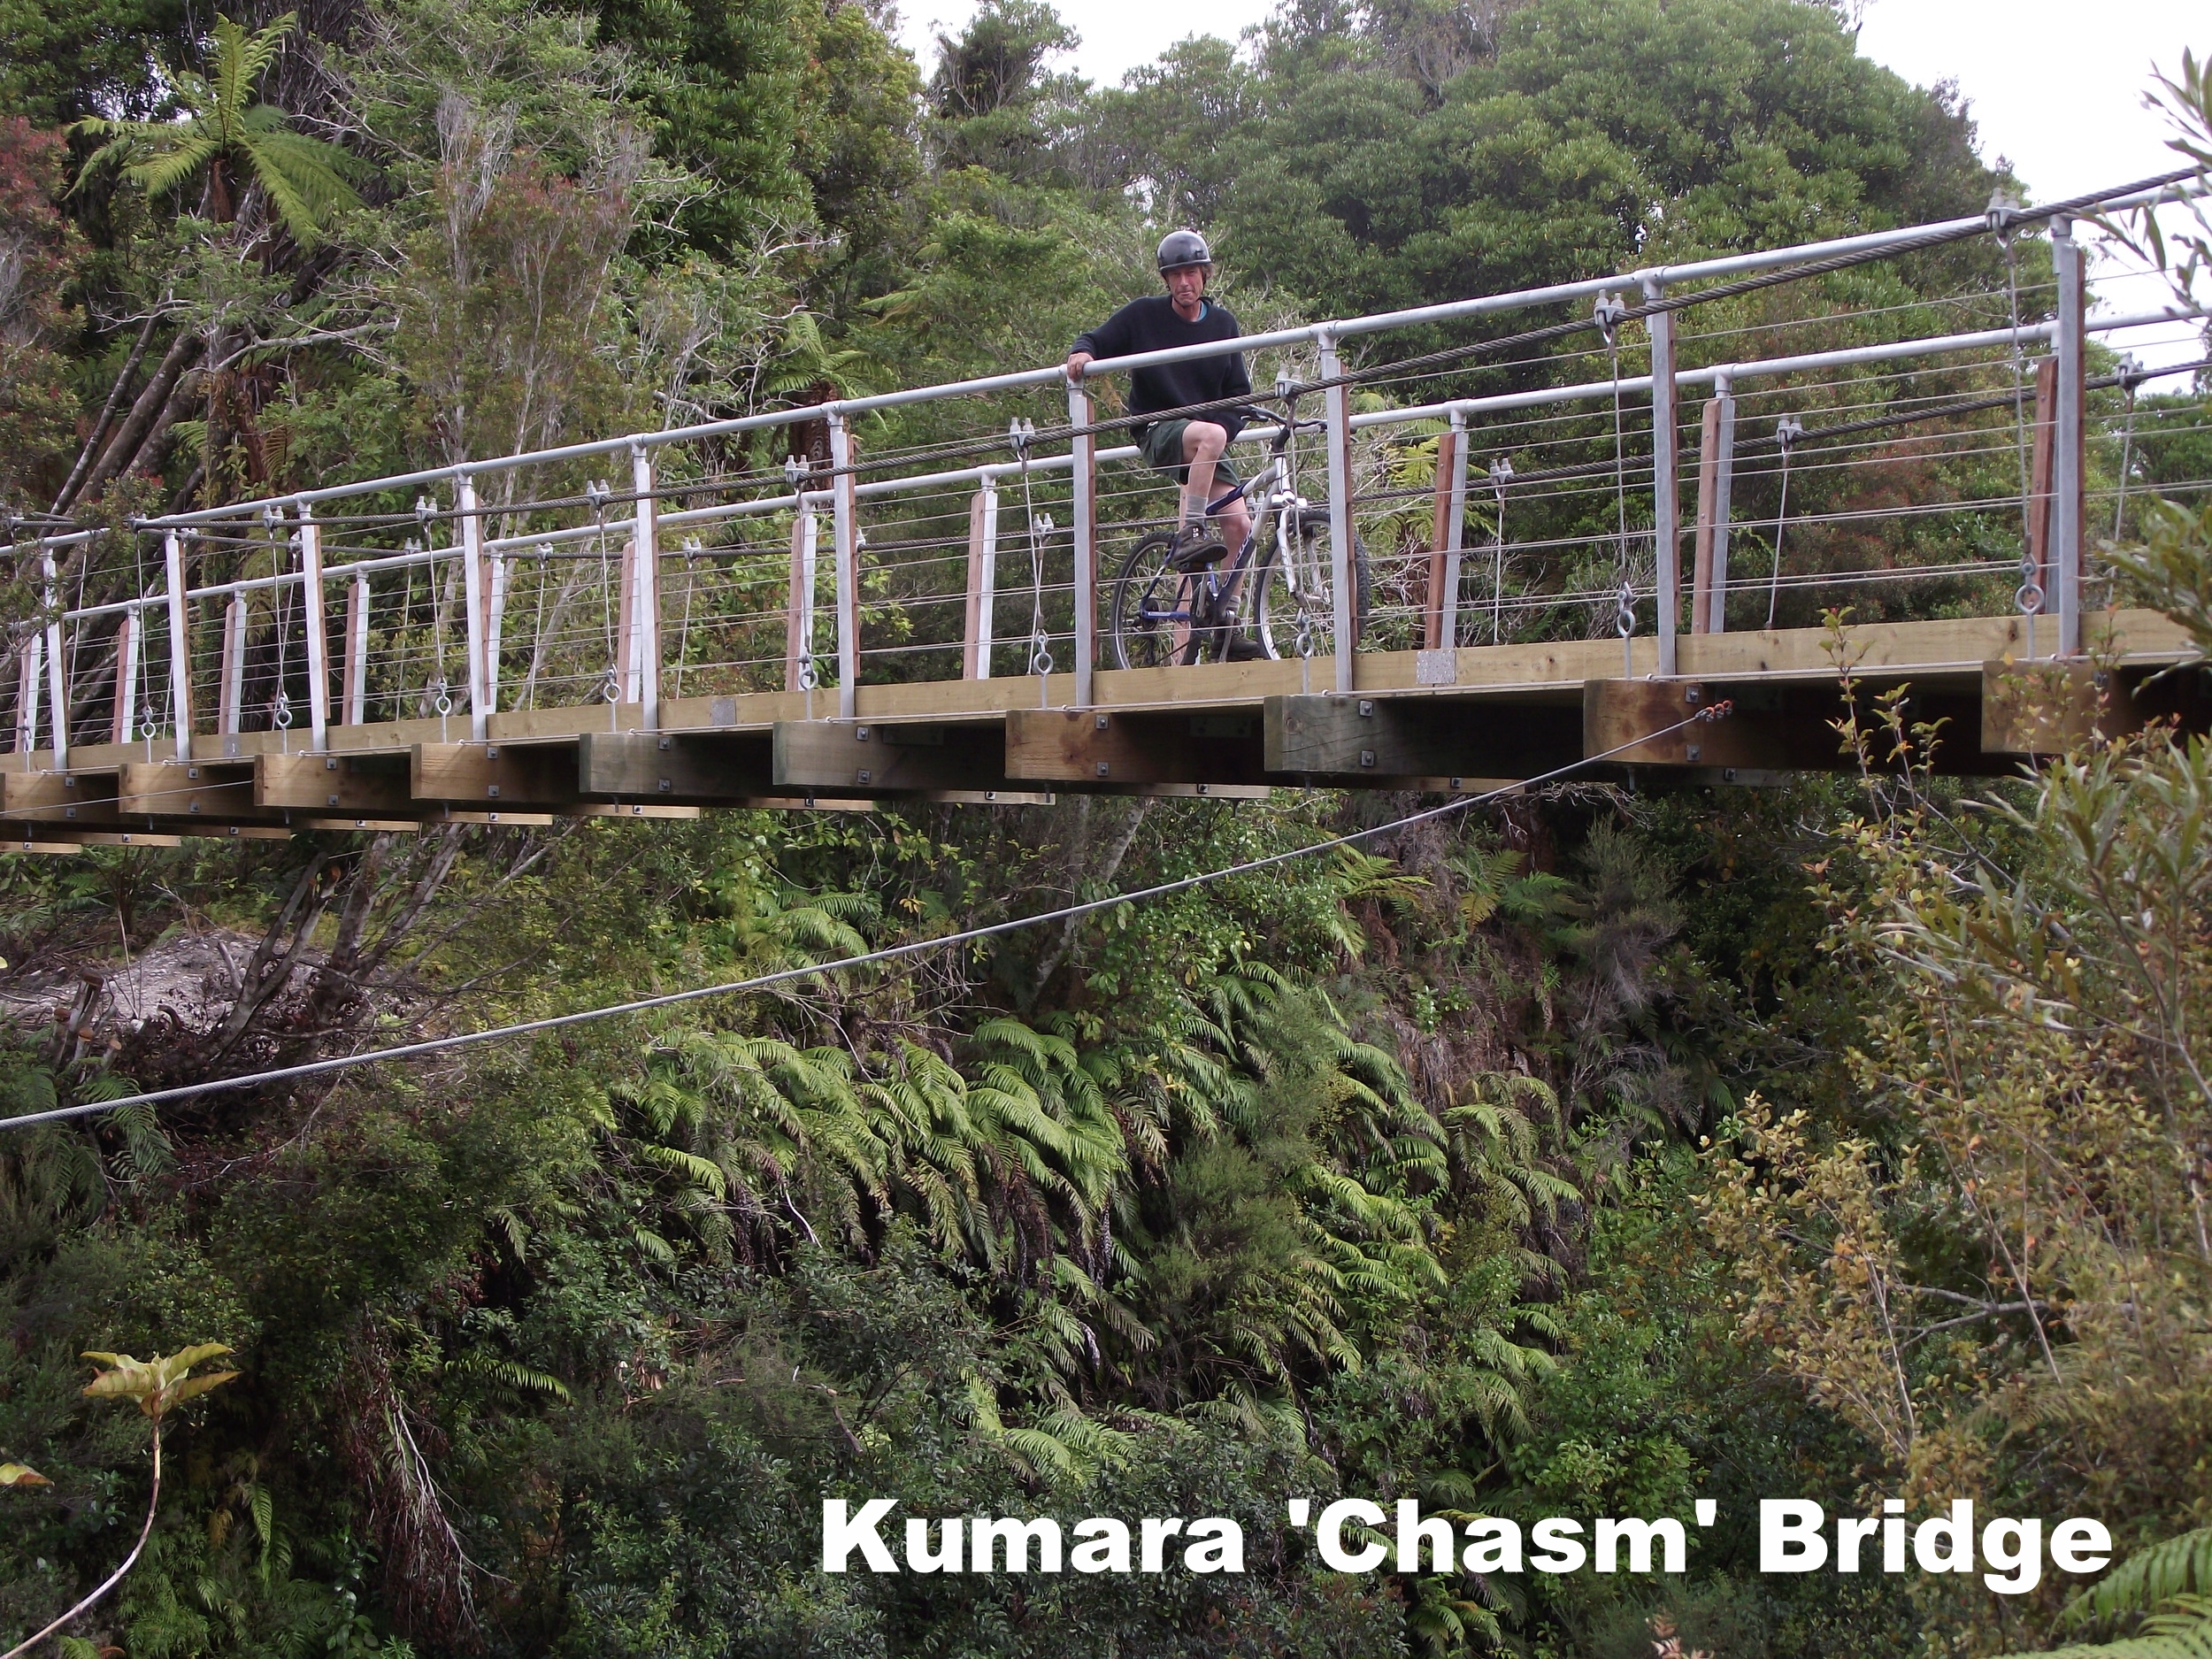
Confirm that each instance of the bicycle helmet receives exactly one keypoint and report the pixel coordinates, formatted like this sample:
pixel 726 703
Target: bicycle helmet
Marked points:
pixel 1180 248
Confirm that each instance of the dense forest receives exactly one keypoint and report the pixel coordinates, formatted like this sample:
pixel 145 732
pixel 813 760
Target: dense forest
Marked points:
pixel 1593 1152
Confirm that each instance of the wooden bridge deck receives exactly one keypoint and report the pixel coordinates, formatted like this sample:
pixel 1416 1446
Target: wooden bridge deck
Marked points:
pixel 1439 721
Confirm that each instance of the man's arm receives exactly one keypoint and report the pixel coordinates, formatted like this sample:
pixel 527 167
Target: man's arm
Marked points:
pixel 1110 338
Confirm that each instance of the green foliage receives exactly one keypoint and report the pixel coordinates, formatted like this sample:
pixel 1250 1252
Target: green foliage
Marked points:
pixel 223 127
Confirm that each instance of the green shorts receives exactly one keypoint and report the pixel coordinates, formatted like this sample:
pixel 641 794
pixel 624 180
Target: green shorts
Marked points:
pixel 1163 447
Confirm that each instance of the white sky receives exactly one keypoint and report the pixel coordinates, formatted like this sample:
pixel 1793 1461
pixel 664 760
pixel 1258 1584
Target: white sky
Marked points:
pixel 2055 87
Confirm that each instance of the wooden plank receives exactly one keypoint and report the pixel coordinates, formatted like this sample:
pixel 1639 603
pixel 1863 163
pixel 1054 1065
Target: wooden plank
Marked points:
pixel 630 808
pixel 235 831
pixel 60 841
pixel 2047 708
pixel 516 776
pixel 695 768
pixel 190 790
pixel 847 755
pixel 58 797
pixel 988 797
pixel 1373 739
pixel 1090 746
pixel 341 783
pixel 396 825
pixel 510 820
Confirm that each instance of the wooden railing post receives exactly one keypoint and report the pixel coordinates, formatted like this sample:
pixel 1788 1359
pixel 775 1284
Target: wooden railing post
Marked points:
pixel 2040 470
pixel 1443 589
pixel 124 726
pixel 57 666
pixel 2067 472
pixel 648 586
pixel 798 637
pixel 1084 470
pixel 356 690
pixel 1715 506
pixel 845 542
pixel 982 582
pixel 318 631
pixel 1338 402
pixel 232 694
pixel 1666 493
pixel 30 666
pixel 473 598
pixel 179 643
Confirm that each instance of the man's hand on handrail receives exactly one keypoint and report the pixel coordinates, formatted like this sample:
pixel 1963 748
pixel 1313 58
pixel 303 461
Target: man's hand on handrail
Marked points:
pixel 1077 361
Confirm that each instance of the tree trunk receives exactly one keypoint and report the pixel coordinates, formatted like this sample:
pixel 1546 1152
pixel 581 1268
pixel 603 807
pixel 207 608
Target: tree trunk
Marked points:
pixel 107 415
pixel 158 406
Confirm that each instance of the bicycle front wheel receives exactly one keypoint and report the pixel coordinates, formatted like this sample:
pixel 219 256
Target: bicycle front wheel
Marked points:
pixel 1152 607
pixel 1297 596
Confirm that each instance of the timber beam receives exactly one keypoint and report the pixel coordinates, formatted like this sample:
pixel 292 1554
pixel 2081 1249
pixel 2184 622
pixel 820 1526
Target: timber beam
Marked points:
pixel 1417 742
pixel 2047 707
pixel 686 768
pixel 219 792
pixel 514 776
pixel 344 785
pixel 849 756
pixel 1091 747
pixel 58 797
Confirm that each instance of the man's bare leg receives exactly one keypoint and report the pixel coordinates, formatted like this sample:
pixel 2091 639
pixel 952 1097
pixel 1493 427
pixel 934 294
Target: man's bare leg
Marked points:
pixel 1203 444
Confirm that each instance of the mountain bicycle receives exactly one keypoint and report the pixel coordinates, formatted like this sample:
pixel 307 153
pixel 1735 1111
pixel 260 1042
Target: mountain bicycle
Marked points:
pixel 1174 605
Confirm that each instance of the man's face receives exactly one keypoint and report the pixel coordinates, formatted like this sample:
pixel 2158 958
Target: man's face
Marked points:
pixel 1186 283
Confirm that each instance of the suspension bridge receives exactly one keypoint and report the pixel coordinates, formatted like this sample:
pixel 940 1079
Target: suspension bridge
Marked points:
pixel 1553 525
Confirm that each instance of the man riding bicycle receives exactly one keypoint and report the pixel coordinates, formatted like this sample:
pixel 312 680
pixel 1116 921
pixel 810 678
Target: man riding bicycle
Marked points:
pixel 1194 449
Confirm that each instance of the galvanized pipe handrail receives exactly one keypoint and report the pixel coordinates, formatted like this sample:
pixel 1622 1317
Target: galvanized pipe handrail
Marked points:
pixel 1732 264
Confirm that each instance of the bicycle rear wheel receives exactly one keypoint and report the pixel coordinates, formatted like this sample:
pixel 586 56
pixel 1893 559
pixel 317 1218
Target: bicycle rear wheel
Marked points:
pixel 1152 608
pixel 1298 590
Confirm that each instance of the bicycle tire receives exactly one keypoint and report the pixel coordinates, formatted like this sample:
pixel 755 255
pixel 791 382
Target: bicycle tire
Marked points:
pixel 1151 614
pixel 1303 582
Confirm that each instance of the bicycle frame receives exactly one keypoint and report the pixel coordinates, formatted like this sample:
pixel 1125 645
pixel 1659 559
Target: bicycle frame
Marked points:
pixel 1277 487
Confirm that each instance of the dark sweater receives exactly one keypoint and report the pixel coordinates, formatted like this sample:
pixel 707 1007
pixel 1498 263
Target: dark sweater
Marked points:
pixel 1151 325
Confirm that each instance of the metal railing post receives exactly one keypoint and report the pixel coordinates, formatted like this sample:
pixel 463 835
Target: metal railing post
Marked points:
pixel 473 598
pixel 180 643
pixel 1338 400
pixel 56 665
pixel 317 634
pixel 1084 471
pixel 1665 491
pixel 2067 468
pixel 845 542
pixel 648 586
